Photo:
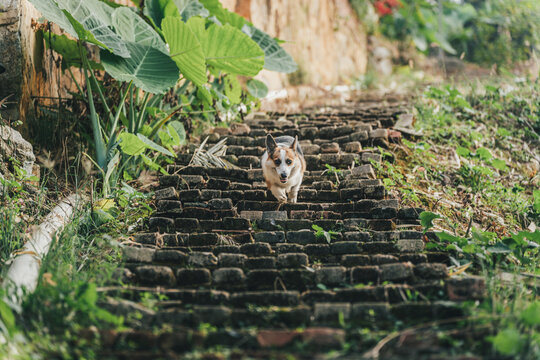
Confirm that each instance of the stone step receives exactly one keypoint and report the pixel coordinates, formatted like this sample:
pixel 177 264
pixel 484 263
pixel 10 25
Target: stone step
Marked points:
pixel 286 270
pixel 222 255
pixel 178 316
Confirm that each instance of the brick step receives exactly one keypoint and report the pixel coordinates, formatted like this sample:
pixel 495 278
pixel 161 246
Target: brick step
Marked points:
pixel 453 289
pixel 316 182
pixel 256 175
pixel 293 272
pixel 371 315
pixel 373 192
pixel 313 162
pixel 309 148
pixel 146 344
pixel 266 242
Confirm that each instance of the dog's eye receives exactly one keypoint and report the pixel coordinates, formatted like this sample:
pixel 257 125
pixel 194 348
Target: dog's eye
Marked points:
pixel 277 162
pixel 289 162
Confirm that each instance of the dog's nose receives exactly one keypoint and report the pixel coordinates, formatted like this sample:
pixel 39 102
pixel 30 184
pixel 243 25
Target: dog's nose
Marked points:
pixel 283 176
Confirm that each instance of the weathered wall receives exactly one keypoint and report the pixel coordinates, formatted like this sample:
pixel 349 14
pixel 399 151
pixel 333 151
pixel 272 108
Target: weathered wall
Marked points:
pixel 324 37
pixel 32 72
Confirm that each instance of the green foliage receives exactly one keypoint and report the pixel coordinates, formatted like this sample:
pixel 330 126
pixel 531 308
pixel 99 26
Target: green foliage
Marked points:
pixel 149 68
pixel 257 88
pixel 508 341
pixel 133 51
pixel 69 50
pixel 486 246
pixel 7 317
pixel 275 57
pixel 68 299
pixel 503 32
pixel 230 50
pixel 491 31
pixel 425 23
pixel 186 49
pixel 426 219
pixel 132 28
pixel 320 233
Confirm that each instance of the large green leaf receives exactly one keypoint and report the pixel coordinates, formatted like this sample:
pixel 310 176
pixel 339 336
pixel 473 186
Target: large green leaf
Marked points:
pixel 223 15
pixel 257 88
pixel 95 18
pixel 230 50
pixel 131 27
pixel 190 8
pixel 186 50
pixel 150 69
pixel 132 144
pixel 232 89
pixel 52 12
pixel 69 50
pixel 153 146
pixel 426 219
pixel 275 57
pixel 157 10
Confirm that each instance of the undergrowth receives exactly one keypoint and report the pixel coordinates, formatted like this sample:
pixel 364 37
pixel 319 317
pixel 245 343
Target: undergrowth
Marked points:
pixel 475 169
pixel 52 321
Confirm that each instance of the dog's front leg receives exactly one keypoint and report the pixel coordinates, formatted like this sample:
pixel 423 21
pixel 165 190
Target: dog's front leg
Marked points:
pixel 293 194
pixel 279 194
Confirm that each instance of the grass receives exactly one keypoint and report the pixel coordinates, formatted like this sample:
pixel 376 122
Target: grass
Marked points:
pixel 67 300
pixel 21 206
pixel 476 171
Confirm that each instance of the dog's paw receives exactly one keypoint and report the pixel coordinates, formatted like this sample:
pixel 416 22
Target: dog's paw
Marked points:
pixel 281 198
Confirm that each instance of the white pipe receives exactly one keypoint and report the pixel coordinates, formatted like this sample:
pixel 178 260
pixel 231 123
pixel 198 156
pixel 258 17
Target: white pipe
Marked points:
pixel 23 273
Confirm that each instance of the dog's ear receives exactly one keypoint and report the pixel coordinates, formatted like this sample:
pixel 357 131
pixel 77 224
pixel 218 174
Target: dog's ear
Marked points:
pixel 270 144
pixel 295 143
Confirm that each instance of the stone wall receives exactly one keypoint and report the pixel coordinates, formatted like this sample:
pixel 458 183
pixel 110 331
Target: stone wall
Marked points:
pixel 325 37
pixel 32 73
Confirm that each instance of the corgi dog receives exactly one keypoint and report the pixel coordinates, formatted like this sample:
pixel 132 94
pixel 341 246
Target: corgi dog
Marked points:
pixel 283 166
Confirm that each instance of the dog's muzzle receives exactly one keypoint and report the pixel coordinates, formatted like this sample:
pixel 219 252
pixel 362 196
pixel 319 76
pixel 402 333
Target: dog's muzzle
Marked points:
pixel 282 178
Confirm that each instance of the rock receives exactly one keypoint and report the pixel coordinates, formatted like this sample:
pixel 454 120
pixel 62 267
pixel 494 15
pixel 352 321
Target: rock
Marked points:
pixel 155 275
pixel 141 255
pixel 275 215
pixel 229 276
pixel 292 260
pixel 276 338
pixel 12 145
pixel 324 337
pixel 333 275
pixel 330 148
pixel 202 259
pixel 240 129
pixel 469 288
pixel 353 147
pixel 363 172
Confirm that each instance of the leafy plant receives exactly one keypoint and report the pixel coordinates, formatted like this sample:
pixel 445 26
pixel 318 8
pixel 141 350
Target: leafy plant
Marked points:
pixel 182 38
pixel 320 233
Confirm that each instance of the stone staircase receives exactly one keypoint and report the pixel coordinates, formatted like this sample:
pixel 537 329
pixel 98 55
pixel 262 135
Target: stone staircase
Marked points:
pixel 232 268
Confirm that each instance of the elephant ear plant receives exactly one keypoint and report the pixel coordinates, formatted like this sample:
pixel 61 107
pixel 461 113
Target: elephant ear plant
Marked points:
pixel 168 44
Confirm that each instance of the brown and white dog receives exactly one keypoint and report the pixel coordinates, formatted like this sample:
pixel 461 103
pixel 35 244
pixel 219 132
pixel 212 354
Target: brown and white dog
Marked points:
pixel 283 167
